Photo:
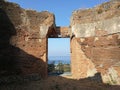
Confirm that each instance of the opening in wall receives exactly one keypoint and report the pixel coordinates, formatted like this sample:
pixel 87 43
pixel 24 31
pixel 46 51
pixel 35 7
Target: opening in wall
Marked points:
pixel 59 56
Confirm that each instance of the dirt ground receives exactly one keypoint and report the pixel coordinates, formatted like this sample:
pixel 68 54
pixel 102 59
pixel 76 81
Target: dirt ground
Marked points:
pixel 59 83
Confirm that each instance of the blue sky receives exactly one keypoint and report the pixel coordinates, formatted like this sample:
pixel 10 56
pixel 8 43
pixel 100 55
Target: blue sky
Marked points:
pixel 63 10
pixel 59 47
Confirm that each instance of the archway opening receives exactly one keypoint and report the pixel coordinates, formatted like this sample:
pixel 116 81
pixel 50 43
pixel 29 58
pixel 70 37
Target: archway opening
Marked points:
pixel 59 62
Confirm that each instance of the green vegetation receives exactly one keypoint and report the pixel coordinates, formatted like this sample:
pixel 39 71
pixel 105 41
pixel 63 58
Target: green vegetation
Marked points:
pixel 66 68
pixel 51 67
pixel 58 68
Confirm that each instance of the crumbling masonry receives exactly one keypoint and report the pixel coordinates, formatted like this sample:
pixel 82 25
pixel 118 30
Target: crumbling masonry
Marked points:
pixel 94 33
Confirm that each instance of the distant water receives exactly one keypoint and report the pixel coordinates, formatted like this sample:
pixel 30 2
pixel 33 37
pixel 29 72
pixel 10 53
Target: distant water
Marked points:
pixel 57 59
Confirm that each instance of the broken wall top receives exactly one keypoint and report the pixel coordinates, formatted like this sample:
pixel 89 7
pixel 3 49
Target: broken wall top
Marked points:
pixel 101 12
pixel 104 18
pixel 28 20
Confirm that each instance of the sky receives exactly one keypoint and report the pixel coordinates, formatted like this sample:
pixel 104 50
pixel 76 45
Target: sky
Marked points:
pixel 62 10
pixel 59 47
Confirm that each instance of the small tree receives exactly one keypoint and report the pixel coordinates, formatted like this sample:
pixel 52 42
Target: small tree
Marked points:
pixel 51 67
pixel 60 67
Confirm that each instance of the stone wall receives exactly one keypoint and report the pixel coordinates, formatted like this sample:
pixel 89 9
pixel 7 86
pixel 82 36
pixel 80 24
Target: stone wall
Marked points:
pixel 63 32
pixel 95 42
pixel 23 40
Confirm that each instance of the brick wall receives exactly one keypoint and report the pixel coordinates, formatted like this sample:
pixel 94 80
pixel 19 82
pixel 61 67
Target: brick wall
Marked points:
pixel 23 38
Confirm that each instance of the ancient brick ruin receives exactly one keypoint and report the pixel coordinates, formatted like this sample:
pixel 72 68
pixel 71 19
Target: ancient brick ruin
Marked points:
pixel 94 33
pixel 95 47
pixel 23 40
